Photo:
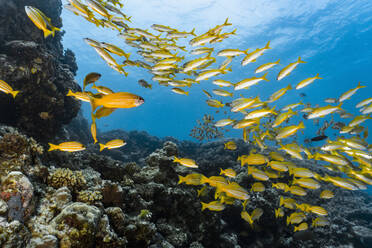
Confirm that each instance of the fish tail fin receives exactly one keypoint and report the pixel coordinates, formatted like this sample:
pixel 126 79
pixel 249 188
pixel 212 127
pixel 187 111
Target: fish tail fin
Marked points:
pixel 339 105
pixel 127 55
pixel 273 112
pixel 264 77
pixel 281 201
pixel 268 45
pixel 276 213
pixel 287 220
pixel 54 29
pixel 47 32
pixel 246 51
pixel 52 147
pixel 181 179
pixel 192 32
pixel 234 31
pixel 278 61
pixel 301 125
pixel 226 23
pixel 101 147
pixel 187 93
pixel 221 172
pixel 300 61
pixel 204 205
pixel 360 86
pixel 14 93
pixel 69 93
pixel 175 159
pixel 289 87
pixel 317 76
pixel 295 229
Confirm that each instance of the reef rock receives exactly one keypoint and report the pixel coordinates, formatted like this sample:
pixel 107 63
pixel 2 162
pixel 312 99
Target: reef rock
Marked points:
pixel 37 68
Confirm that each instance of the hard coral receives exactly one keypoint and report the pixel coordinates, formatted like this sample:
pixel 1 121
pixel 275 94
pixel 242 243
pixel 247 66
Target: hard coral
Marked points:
pixel 63 177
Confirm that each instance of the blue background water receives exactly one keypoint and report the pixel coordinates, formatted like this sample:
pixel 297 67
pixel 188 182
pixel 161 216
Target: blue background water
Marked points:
pixel 333 37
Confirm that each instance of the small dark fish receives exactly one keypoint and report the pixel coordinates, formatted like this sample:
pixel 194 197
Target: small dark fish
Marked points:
pixel 144 84
pixel 90 79
pixel 302 94
pixel 319 138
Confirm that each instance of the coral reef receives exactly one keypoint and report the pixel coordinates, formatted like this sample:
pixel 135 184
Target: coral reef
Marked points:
pixel 38 68
pixel 77 202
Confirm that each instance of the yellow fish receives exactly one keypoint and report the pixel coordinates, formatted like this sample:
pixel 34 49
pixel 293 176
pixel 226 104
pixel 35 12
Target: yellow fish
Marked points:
pixel 102 112
pixel 279 212
pixel 213 206
pixel 288 69
pixel 93 130
pixel 117 100
pixel 278 94
pixel 228 172
pixel 252 57
pixel 295 190
pixel 6 88
pixel 307 81
pixel 214 103
pixel 303 226
pixel 71 146
pixel 202 191
pixel 245 216
pixel 280 186
pixel 320 222
pixel 191 179
pixel 231 145
pixel 257 174
pixel 349 93
pixel 180 91
pixel 40 20
pixel 185 162
pixel 308 183
pixel 318 210
pixel 323 111
pixel 116 143
pixel 82 96
pixel 289 130
pixel 248 82
pixel 114 49
pixel 235 190
pixel 258 187
pixel 287 203
pixel 102 89
pixel 224 122
pixel 215 181
pixel 327 194
pixel 266 66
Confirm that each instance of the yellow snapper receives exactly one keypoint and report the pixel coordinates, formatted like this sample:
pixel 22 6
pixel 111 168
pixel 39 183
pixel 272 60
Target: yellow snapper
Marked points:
pixel 318 210
pixel 228 172
pixel 295 190
pixel 243 103
pixel 40 20
pixel 323 111
pixel 222 83
pixel 224 122
pixel 288 69
pixel 252 57
pixel 82 96
pixel 258 187
pixel 280 186
pixel 308 183
pixel 279 212
pixel 231 145
pixel 205 75
pixel 115 143
pixel 349 93
pixel 260 113
pixel 102 89
pixel 257 174
pixel 278 94
pixel 117 100
pixel 278 165
pixel 248 82
pixel 102 112
pixel 326 194
pixel 235 190
pixel 221 92
pixel 232 52
pixel 114 49
pixel 320 222
pixel 266 66
pixel 214 103
pixel 283 117
pixel 185 162
pixel 307 81
pixel 180 91
pixel 6 88
pixel 71 146
pixel 213 206
pixel 303 226
pixel 191 179
pixel 289 130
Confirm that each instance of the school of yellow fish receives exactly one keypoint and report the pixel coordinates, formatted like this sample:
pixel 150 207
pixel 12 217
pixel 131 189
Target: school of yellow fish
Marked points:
pixel 260 122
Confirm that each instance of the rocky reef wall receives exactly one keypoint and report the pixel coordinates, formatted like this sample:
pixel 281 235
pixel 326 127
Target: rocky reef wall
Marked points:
pixel 39 68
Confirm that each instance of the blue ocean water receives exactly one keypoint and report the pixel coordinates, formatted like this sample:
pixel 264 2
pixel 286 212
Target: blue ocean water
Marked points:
pixel 333 37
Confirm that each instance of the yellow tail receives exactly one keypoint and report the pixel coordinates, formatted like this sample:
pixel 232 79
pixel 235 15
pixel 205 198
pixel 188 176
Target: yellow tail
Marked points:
pixel 47 33
pixel 52 147
pixel 101 147
pixel 181 179
pixel 14 93
pixel 204 205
